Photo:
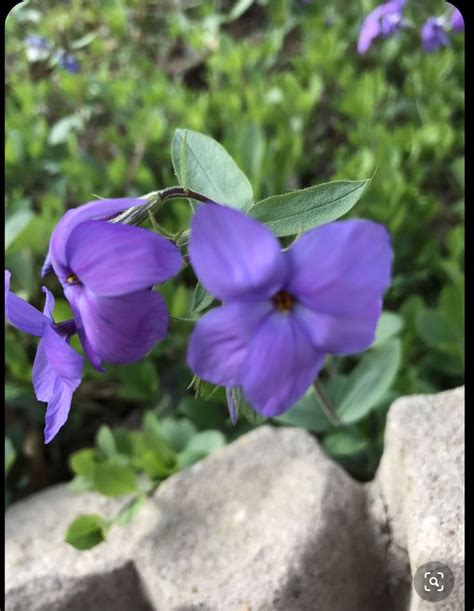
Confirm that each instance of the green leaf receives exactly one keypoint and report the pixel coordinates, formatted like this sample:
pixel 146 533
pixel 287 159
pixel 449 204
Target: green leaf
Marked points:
pixel 81 483
pixel 435 329
pixel 152 455
pixel 84 41
pixel 10 455
pixel 177 433
pixel 369 381
pixel 87 531
pixel 111 479
pixel 60 131
pixel 389 324
pixel 200 446
pixel 83 462
pixel 202 299
pixel 152 432
pixel 344 443
pixel 207 442
pixel 238 9
pixel 209 169
pixel 307 413
pixel 105 442
pixel 15 224
pixel 299 211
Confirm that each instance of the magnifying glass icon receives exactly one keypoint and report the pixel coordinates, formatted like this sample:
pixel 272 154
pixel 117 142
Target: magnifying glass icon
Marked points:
pixel 433 581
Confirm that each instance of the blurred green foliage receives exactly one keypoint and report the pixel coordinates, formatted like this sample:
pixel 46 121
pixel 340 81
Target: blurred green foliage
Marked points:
pixel 279 84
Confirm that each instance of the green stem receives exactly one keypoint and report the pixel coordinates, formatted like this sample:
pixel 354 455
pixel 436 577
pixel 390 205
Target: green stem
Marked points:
pixel 156 199
pixel 326 404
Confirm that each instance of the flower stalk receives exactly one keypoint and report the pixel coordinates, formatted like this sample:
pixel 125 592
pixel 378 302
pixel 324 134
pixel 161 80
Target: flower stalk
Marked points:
pixel 326 404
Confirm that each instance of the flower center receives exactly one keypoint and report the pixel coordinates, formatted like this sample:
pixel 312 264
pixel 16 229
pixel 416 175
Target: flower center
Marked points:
pixel 283 301
pixel 73 279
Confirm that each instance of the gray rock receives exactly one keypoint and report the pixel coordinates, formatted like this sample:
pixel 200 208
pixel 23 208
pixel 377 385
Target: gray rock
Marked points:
pixel 421 482
pixel 268 523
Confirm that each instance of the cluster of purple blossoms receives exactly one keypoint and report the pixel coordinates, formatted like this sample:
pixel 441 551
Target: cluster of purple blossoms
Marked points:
pixel 282 312
pixel 435 31
pixel 39 49
pixel 107 272
pixel 387 19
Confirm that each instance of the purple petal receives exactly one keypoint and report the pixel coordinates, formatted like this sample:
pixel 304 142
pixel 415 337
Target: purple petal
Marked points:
pixel 433 35
pixel 57 411
pixel 233 255
pixel 112 259
pixel 49 303
pixel 280 365
pixel 218 344
pixel 342 267
pixel 74 295
pixel 340 334
pixel 385 19
pixel 57 372
pixel 457 21
pixel 369 31
pixel 21 314
pixel 99 209
pixel 119 329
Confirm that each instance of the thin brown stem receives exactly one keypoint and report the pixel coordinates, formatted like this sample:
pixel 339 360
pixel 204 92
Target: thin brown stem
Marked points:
pixel 156 199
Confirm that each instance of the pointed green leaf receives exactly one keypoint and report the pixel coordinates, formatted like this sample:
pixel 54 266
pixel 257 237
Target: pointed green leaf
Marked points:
pixel 209 169
pixel 389 324
pixel 368 383
pixel 299 211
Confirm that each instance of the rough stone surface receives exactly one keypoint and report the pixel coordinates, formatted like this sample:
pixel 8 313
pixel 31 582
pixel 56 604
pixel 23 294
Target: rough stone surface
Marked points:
pixel 268 523
pixel 421 481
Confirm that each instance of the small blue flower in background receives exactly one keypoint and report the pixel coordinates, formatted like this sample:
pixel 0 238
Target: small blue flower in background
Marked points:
pixel 433 34
pixel 37 48
pixel 69 62
pixel 385 20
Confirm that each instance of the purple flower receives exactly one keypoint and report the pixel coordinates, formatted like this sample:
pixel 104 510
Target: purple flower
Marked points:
pixel 69 62
pixel 385 20
pixel 37 48
pixel 107 271
pixel 433 34
pixel 456 21
pixel 57 368
pixel 284 311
